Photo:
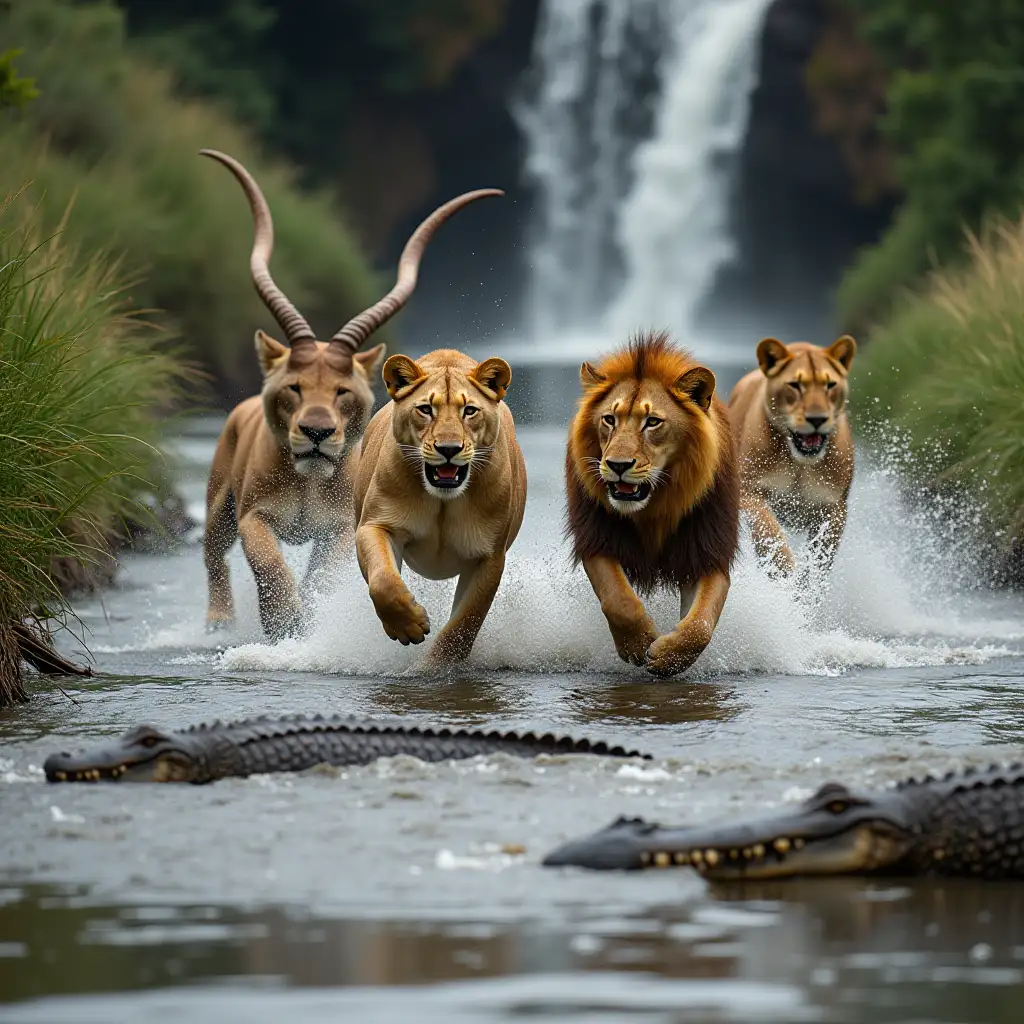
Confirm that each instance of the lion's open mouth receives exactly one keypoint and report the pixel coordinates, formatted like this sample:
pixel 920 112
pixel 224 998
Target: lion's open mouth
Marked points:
pixel 809 444
pixel 446 476
pixel 620 490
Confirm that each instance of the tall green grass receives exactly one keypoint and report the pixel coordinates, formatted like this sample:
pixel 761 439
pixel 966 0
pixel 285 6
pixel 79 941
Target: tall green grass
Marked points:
pixel 83 393
pixel 947 368
pixel 108 131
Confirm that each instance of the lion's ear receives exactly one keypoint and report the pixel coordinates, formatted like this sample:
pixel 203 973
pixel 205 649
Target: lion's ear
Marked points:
pixel 698 385
pixel 270 352
pixel 493 375
pixel 369 360
pixel 591 377
pixel 772 355
pixel 842 351
pixel 399 372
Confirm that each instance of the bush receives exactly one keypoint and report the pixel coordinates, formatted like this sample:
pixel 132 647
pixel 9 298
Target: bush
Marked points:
pixel 83 399
pixel 948 367
pixel 107 131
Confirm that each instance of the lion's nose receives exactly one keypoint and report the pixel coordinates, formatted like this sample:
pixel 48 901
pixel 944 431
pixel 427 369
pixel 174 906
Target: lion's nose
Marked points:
pixel 317 434
pixel 620 467
pixel 449 451
pixel 817 421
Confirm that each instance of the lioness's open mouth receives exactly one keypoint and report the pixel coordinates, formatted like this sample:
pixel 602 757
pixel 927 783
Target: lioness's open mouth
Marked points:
pixel 446 476
pixel 809 444
pixel 620 490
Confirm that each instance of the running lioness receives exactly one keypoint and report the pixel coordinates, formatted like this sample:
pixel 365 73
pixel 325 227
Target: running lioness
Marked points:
pixel 795 447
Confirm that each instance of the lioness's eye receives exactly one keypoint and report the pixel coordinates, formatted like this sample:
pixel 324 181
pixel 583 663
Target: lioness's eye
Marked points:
pixel 470 410
pixel 829 385
pixel 609 420
pixel 342 391
pixel 795 384
pixel 653 421
pixel 427 410
pixel 296 388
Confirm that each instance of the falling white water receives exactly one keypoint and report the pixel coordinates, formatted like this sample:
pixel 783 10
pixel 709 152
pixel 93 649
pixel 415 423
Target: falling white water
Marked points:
pixel 632 200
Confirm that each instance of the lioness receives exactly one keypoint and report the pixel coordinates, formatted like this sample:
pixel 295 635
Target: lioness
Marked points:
pixel 795 447
pixel 281 469
pixel 441 484
pixel 653 497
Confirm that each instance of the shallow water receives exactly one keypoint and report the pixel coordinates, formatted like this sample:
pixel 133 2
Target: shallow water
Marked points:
pixel 403 891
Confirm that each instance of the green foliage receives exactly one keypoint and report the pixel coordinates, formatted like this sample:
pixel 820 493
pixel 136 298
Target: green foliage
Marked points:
pixel 954 101
pixel 82 395
pixel 948 367
pixel 108 133
pixel 15 91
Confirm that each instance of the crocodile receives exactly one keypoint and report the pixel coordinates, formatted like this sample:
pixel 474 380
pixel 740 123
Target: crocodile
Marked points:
pixel 968 824
pixel 218 750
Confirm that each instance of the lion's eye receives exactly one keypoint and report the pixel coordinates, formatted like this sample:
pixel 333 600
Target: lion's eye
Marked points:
pixel 427 410
pixel 829 385
pixel 295 388
pixel 653 421
pixel 608 420
pixel 795 384
pixel 342 391
pixel 470 410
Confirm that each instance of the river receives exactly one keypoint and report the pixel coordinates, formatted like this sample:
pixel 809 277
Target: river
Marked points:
pixel 411 892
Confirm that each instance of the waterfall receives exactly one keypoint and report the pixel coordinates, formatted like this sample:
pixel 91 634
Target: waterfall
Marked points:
pixel 636 118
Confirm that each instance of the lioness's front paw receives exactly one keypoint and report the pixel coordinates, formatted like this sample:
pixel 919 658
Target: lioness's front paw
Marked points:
pixel 633 639
pixel 677 651
pixel 402 618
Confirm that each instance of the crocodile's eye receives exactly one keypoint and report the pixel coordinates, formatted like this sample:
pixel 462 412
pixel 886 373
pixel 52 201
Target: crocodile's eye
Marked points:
pixel 838 806
pixel 295 388
pixel 425 409
pixel 149 741
pixel 608 421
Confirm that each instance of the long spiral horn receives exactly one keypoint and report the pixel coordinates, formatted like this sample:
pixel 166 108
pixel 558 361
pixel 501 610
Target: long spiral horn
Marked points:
pixel 360 327
pixel 296 330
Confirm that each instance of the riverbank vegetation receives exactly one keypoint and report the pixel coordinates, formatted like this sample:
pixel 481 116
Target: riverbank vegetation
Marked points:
pixel 108 131
pixel 84 392
pixel 947 370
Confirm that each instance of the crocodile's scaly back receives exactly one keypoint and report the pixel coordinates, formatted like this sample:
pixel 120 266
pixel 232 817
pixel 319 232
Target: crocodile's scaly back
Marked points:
pixel 216 750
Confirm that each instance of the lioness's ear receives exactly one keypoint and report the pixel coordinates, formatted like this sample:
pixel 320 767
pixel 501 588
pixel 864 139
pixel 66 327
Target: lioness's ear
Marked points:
pixel 493 375
pixel 843 351
pixel 772 355
pixel 590 377
pixel 270 352
pixel 399 372
pixel 698 385
pixel 369 360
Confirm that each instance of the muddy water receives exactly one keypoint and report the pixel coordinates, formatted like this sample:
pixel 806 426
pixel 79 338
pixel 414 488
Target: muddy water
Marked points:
pixel 411 892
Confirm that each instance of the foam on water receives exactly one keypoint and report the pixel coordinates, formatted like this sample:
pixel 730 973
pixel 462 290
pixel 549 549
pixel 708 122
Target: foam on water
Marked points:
pixel 898 597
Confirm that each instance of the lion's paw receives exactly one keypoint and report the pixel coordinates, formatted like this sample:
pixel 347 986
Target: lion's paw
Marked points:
pixel 677 651
pixel 402 618
pixel 632 642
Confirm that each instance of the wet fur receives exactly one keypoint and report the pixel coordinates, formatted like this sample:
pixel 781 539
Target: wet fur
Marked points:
pixel 400 519
pixel 689 530
pixel 779 488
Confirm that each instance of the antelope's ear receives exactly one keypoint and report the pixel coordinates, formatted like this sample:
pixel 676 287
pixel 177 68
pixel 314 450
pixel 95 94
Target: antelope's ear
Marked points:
pixel 493 375
pixel 772 355
pixel 842 351
pixel 399 373
pixel 591 377
pixel 369 360
pixel 698 385
pixel 270 352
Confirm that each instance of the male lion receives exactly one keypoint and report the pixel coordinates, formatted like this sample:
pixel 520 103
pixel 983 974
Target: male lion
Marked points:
pixel 795 447
pixel 653 497
pixel 441 484
pixel 281 471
